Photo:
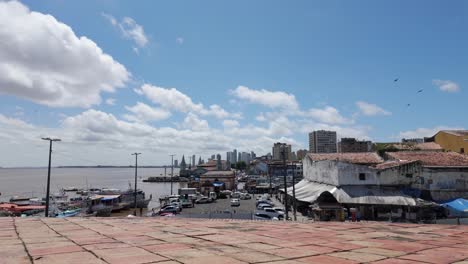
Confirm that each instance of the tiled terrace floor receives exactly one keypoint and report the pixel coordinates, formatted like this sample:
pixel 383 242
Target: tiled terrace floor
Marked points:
pixel 147 240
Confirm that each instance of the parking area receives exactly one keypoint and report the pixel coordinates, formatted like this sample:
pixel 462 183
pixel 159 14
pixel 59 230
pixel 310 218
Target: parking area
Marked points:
pixel 219 207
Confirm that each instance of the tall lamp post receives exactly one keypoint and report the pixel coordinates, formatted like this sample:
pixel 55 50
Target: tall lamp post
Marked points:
pixel 172 169
pixel 48 174
pixel 285 183
pixel 136 173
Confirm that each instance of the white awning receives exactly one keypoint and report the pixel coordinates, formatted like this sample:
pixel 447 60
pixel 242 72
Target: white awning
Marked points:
pixel 307 191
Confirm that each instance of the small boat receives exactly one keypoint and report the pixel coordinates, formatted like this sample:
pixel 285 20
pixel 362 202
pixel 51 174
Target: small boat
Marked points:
pixel 68 213
pixel 70 189
pixel 17 209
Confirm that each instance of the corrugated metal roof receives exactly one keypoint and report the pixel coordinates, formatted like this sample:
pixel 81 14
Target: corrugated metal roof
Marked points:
pixel 356 158
pixel 308 191
pixel 432 158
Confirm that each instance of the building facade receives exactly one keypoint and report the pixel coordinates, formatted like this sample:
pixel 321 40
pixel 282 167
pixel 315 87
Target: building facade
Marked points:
pixel 352 145
pixel 452 140
pixel 322 141
pixel 278 149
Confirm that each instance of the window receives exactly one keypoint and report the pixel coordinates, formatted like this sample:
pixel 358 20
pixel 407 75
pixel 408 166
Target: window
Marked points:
pixel 409 175
pixel 462 150
pixel 362 176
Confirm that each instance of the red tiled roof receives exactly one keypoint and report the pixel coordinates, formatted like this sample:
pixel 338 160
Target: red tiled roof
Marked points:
pixel 357 158
pixel 392 163
pixel 432 158
pixel 428 146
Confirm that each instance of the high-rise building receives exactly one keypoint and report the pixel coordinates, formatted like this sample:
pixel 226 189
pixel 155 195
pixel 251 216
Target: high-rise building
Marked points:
pixel 353 145
pixel 228 156
pixel 176 163
pixel 278 149
pixel 183 165
pixel 234 157
pixel 239 156
pixel 245 157
pixel 193 161
pixel 322 141
pixel 252 155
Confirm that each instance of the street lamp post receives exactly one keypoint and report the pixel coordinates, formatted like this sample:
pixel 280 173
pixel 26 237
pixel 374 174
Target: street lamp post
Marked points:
pixel 285 183
pixel 294 189
pixel 136 173
pixel 48 174
pixel 172 169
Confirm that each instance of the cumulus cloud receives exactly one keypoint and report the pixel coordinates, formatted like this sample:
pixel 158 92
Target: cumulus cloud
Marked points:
pixel 425 132
pixel 229 123
pixel 272 99
pixel 369 109
pixel 174 100
pixel 446 85
pixel 192 122
pixel 129 29
pixel 328 114
pixel 52 66
pixel 143 112
pixel 110 101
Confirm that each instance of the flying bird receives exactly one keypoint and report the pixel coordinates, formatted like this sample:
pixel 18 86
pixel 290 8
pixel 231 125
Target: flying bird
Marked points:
pixel 408 105
pixel 420 91
pixel 396 80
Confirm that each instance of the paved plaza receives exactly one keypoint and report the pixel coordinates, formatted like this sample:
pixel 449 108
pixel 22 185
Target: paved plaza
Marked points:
pixel 169 240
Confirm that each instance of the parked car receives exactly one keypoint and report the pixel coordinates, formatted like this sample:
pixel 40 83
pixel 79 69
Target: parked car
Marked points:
pixel 279 210
pixel 245 196
pixel 202 200
pixel 235 202
pixel 236 195
pixel 272 212
pixel 169 209
pixel 177 206
pixel 264 216
pixel 264 202
pixel 262 206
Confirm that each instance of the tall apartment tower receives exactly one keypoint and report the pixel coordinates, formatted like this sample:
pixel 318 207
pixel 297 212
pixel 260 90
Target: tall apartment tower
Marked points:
pixel 322 141
pixel 277 151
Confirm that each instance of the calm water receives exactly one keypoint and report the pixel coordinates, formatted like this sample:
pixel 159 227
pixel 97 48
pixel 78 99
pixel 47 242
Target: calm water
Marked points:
pixel 32 182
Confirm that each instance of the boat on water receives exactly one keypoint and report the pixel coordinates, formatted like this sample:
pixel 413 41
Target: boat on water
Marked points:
pixel 19 210
pixel 68 213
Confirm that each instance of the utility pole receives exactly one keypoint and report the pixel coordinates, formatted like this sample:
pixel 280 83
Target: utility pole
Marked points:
pixel 136 173
pixel 294 190
pixel 48 174
pixel 285 183
pixel 172 169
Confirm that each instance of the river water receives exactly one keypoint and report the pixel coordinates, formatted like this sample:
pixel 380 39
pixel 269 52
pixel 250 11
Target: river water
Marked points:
pixel 33 181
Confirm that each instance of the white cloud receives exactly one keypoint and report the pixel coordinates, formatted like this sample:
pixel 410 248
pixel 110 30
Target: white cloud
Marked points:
pixel 446 85
pixel 180 40
pixel 129 29
pixel 110 101
pixel 425 132
pixel 143 112
pixel 277 99
pixel 328 114
pixel 173 99
pixel 42 60
pixel 229 123
pixel 192 122
pixel 369 109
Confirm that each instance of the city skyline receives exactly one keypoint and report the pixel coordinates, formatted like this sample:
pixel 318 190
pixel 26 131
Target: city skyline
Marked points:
pixel 116 79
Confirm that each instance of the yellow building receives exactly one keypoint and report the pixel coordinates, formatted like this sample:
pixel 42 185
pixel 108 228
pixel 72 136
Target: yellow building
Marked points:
pixel 452 140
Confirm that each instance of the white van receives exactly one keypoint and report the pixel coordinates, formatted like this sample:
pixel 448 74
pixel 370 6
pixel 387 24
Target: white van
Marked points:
pixel 213 196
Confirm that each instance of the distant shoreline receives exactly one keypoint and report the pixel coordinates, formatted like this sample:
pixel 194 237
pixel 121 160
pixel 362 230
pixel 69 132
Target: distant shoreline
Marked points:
pixel 91 167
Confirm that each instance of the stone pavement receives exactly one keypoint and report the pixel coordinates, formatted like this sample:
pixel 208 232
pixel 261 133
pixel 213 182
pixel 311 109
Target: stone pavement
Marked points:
pixel 169 240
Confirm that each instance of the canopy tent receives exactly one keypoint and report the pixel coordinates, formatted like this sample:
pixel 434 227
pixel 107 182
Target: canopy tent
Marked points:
pixel 218 184
pixel 308 191
pixel 458 207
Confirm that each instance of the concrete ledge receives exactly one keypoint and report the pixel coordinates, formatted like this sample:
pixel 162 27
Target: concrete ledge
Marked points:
pixel 151 240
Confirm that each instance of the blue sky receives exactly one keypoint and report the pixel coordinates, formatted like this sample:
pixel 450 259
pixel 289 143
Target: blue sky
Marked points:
pixel 337 59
